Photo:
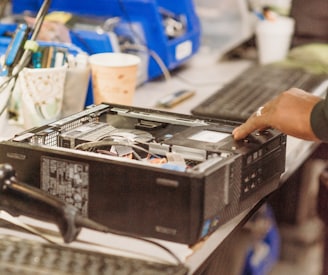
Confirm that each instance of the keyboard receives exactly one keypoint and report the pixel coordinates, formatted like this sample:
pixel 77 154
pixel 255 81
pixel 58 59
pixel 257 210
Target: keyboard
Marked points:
pixel 22 256
pixel 242 96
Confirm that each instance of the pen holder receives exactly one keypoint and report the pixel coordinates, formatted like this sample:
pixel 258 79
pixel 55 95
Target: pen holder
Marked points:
pixel 44 95
pixel 42 92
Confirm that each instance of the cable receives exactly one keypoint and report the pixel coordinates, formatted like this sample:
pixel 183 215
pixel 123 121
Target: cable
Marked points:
pixel 153 54
pixel 5 216
pixel 87 223
pixel 83 222
pixel 82 41
pixel 127 16
pixel 143 46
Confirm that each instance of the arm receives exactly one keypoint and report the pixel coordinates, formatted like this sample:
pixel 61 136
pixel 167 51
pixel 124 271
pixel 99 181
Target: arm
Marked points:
pixel 319 120
pixel 294 112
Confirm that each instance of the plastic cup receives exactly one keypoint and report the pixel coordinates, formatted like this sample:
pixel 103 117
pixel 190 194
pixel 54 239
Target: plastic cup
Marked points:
pixel 273 39
pixel 114 77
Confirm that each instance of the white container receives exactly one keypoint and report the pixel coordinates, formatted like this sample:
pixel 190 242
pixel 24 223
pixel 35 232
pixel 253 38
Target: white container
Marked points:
pixel 273 39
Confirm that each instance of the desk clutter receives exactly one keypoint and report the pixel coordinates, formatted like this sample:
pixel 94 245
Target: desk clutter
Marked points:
pixel 154 30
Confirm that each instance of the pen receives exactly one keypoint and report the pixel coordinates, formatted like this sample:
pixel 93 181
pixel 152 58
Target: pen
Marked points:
pixel 16 46
pixel 171 100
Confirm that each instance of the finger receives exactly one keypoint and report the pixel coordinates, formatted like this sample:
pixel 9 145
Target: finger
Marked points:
pixel 255 122
pixel 242 131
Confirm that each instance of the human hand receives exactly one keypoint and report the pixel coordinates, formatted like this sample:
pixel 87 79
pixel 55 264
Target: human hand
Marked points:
pixel 289 113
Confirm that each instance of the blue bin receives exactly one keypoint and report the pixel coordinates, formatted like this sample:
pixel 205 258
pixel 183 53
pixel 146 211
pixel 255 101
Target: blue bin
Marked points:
pixel 264 253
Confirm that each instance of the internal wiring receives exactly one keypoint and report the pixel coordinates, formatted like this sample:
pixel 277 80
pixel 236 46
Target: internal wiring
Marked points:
pixel 92 145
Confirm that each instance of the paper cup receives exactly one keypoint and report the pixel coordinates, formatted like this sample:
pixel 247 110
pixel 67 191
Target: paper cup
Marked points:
pixel 273 39
pixel 114 77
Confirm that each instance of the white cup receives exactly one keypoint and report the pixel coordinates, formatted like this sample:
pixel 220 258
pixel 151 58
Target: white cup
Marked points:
pixel 273 38
pixel 114 77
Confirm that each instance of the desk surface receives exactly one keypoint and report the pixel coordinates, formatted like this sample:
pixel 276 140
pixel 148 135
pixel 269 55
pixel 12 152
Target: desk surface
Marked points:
pixel 204 76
